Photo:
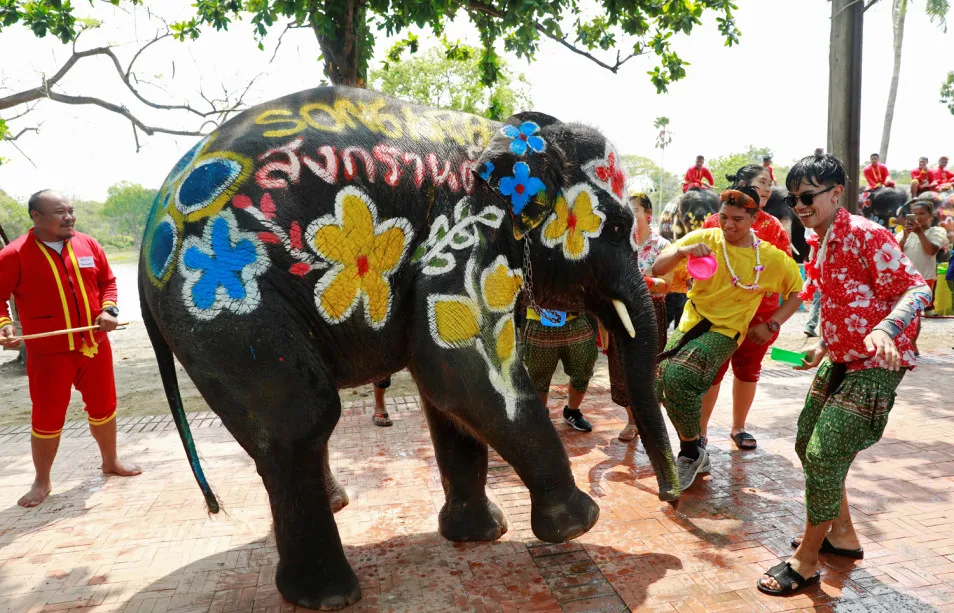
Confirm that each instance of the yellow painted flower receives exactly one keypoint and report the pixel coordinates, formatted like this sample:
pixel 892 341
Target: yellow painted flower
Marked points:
pixel 454 321
pixel 506 341
pixel 364 254
pixel 571 225
pixel 500 285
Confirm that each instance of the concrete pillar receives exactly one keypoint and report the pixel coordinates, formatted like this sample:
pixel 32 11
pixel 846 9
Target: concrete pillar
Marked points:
pixel 844 91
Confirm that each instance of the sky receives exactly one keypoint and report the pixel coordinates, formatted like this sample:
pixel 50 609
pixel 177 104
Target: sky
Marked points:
pixel 771 90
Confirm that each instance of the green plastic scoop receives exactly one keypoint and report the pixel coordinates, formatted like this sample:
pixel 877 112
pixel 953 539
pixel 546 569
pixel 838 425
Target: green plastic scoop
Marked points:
pixel 789 357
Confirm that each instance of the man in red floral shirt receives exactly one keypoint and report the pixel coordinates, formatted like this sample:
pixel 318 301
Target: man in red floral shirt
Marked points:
pixel 871 297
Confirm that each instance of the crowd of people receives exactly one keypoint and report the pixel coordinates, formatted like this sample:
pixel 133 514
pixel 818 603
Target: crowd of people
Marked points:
pixel 868 288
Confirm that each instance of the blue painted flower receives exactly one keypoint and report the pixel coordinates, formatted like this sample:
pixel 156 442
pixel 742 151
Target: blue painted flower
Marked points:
pixel 487 170
pixel 523 137
pixel 521 186
pixel 221 269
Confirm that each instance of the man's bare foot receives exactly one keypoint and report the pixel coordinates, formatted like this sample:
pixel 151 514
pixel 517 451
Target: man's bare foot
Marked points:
pixel 36 495
pixel 120 469
pixel 803 569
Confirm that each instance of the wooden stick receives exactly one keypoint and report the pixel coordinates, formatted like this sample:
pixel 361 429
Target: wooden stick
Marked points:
pixel 58 332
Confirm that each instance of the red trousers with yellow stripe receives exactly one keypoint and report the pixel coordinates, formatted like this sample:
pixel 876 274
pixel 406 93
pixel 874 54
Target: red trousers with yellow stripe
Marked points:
pixel 52 378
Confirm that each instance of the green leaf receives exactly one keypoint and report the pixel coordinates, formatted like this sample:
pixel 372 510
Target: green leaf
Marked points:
pixel 438 262
pixel 418 253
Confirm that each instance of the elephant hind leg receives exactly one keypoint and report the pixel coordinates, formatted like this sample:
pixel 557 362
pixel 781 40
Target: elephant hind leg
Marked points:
pixel 467 515
pixel 283 417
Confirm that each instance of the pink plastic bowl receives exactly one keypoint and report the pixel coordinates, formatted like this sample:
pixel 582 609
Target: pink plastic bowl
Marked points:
pixel 702 268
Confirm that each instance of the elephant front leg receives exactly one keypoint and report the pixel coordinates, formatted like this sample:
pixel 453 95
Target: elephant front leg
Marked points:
pixel 467 515
pixel 312 570
pixel 523 436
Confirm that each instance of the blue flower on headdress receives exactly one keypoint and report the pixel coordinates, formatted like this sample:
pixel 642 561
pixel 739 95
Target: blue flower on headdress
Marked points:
pixel 520 187
pixel 488 169
pixel 523 137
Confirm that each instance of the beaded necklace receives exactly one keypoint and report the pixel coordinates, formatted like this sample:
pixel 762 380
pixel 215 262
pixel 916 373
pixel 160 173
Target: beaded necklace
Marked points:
pixel 758 265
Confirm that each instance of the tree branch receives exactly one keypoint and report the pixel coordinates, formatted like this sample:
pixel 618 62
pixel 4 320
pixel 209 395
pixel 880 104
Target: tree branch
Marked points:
pixel 21 132
pixel 220 110
pixel 491 11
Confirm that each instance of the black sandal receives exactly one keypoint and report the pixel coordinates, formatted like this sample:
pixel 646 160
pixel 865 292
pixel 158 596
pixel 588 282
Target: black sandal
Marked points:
pixel 744 440
pixel 827 547
pixel 788 578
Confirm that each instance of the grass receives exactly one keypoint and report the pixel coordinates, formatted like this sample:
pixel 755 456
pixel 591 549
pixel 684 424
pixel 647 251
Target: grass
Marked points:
pixel 125 256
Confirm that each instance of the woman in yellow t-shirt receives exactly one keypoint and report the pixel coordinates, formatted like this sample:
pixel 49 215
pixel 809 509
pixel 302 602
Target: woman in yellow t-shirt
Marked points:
pixel 717 315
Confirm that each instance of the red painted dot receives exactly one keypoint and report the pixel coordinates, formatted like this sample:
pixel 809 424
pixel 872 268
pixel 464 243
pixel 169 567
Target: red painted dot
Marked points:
pixel 520 188
pixel 571 221
pixel 523 137
pixel 362 263
pixel 281 359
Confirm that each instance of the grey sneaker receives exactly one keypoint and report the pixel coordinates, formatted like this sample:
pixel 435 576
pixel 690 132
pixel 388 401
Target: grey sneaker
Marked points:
pixel 688 469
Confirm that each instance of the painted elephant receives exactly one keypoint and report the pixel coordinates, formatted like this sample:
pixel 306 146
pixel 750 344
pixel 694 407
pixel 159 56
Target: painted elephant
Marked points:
pixel 693 209
pixel 882 205
pixel 335 236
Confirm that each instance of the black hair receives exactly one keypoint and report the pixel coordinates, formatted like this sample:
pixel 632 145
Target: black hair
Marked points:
pixel 873 155
pixel 927 204
pixel 745 175
pixel 924 157
pixel 36 199
pixel 766 158
pixel 643 200
pixel 823 169
pixel 700 157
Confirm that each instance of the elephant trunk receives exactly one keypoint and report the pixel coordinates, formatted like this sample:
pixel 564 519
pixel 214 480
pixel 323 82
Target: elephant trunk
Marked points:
pixel 638 356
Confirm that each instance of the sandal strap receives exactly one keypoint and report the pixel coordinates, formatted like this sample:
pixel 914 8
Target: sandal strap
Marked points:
pixel 786 575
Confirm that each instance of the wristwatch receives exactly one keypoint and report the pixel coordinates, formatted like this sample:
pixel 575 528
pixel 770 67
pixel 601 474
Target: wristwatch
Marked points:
pixel 112 310
pixel 773 326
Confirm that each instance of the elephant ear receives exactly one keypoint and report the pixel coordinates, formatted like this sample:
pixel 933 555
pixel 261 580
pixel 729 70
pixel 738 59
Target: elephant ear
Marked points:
pixel 524 166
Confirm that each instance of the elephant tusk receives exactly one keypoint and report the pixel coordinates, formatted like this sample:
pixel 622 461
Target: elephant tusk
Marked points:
pixel 624 317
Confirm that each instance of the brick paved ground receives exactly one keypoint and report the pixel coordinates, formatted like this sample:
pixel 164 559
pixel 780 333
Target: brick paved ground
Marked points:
pixel 147 545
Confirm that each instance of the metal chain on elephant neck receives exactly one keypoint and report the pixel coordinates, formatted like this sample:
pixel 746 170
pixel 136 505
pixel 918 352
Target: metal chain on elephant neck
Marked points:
pixel 528 276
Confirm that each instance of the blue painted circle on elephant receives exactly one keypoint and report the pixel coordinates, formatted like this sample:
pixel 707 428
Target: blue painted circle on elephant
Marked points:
pixel 187 159
pixel 205 182
pixel 162 244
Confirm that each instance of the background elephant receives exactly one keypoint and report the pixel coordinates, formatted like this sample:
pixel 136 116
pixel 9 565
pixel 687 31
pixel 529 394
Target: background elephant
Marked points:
pixel 883 204
pixel 335 236
pixel 693 209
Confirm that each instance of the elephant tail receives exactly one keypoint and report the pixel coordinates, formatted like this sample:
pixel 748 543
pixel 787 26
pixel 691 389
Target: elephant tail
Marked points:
pixel 170 382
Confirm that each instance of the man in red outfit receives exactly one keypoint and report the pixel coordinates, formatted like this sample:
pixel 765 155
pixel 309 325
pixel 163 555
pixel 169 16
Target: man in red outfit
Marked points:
pixel 767 163
pixel 697 175
pixel 877 174
pixel 921 179
pixel 60 279
pixel 942 176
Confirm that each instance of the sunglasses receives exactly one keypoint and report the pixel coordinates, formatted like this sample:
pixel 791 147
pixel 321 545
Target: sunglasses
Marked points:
pixel 808 198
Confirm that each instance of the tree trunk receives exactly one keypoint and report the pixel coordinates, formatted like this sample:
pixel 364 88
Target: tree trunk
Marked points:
pixel 898 10
pixel 343 50
pixel 844 91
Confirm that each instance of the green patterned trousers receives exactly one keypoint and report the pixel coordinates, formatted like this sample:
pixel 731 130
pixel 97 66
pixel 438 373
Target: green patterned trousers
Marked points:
pixel 834 427
pixel 684 378
pixel 574 344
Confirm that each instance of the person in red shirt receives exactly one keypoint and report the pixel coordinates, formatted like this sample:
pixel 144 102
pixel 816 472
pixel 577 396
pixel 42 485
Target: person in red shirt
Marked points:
pixel 767 164
pixel 871 298
pixel 697 176
pixel 876 174
pixel 60 279
pixel 942 177
pixel 922 179
pixel 763 331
